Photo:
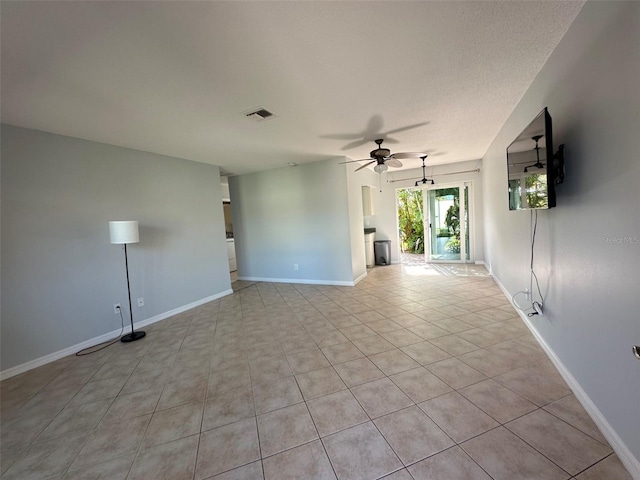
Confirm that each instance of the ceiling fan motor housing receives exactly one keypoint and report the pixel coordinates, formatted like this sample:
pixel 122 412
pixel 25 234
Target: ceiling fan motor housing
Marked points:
pixel 380 153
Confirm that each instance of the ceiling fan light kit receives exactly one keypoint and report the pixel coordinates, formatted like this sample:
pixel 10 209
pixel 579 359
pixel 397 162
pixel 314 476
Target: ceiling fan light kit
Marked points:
pixel 380 168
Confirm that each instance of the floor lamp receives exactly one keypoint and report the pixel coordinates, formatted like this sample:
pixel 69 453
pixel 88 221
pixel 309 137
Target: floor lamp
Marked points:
pixel 122 233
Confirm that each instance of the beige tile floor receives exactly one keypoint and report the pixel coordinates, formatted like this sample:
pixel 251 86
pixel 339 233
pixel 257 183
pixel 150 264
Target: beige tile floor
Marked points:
pixel 418 372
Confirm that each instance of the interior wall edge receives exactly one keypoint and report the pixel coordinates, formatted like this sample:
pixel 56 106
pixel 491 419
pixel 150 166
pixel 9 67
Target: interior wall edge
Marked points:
pixel 359 279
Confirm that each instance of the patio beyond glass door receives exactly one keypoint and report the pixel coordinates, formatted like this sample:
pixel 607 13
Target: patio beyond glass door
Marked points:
pixel 447 224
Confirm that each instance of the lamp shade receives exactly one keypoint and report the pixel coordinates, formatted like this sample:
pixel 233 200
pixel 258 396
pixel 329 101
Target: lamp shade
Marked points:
pixel 123 232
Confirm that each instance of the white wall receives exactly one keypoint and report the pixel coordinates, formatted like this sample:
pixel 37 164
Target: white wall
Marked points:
pixel 590 85
pixel 293 215
pixel 356 224
pixel 60 274
pixel 385 219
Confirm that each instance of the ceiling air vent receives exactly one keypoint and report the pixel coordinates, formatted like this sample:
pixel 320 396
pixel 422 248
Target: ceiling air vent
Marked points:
pixel 259 114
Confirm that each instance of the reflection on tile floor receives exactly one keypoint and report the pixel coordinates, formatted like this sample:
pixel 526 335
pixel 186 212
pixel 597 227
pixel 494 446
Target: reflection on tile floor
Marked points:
pixel 417 372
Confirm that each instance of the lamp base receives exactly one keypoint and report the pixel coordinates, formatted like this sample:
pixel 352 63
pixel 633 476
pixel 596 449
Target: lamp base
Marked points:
pixel 132 337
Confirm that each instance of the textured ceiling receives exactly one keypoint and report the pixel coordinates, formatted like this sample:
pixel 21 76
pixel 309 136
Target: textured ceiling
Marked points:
pixel 175 77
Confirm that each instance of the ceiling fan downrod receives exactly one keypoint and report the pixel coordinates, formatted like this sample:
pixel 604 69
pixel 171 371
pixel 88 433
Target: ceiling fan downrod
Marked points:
pixel 535 138
pixel 424 180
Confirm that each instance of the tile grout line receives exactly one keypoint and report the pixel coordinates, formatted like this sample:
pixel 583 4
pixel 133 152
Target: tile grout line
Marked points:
pixel 95 428
pixel 341 301
pixel 545 456
pixel 204 401
pixel 139 448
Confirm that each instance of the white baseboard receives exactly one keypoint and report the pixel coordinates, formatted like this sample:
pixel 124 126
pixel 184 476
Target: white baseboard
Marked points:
pixel 626 457
pixel 52 357
pixel 298 280
pixel 479 262
pixel 360 278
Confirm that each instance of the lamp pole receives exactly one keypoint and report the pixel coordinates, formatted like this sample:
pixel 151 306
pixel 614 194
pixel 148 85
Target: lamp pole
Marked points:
pixel 133 336
pixel 124 232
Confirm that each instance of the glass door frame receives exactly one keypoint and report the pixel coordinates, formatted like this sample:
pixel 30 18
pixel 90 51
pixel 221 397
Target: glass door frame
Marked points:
pixel 466 227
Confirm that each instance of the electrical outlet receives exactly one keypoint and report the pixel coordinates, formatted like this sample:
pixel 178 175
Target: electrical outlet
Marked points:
pixel 527 293
pixel 116 308
pixel 295 266
pixel 141 301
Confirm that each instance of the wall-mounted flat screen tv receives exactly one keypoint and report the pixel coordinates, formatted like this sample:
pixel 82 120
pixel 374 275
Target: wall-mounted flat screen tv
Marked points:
pixel 532 168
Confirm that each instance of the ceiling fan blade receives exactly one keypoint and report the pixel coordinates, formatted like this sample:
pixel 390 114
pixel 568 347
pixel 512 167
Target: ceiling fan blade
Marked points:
pixel 352 161
pixel 408 127
pixel 393 162
pixel 365 165
pixel 401 155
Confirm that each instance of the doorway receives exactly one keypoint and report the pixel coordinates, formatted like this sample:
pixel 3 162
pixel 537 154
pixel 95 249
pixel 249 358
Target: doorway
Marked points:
pixel 447 223
pixel 435 224
pixel 411 221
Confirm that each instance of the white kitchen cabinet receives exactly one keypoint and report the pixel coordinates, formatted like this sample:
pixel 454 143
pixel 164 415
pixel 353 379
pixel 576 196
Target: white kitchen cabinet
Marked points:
pixel 231 253
pixel 368 208
pixel 369 238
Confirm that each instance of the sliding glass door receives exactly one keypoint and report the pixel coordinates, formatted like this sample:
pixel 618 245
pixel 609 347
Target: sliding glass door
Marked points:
pixel 447 226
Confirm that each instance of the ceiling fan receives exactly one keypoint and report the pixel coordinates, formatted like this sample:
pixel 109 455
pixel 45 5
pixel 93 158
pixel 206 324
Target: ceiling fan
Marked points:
pixel 383 158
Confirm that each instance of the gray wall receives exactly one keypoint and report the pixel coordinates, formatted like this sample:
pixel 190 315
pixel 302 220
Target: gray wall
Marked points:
pixel 60 274
pixel 293 215
pixel 385 219
pixel 590 85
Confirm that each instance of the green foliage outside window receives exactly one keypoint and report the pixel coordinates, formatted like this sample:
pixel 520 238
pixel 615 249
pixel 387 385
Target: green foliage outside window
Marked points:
pixel 453 245
pixel 452 221
pixel 535 190
pixel 411 220
pixel 537 195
